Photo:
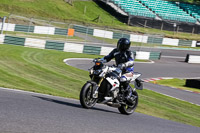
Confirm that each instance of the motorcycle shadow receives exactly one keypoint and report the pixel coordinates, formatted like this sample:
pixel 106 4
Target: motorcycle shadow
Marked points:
pixel 72 104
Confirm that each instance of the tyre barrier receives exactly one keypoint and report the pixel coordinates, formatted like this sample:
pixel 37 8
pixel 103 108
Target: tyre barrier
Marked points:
pixel 192 58
pixel 194 83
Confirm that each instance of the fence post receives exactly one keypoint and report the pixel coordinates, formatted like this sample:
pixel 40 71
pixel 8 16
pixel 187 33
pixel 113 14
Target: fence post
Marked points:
pixel 105 29
pixel 162 26
pixel 48 29
pixel 129 19
pixel 193 29
pixel 85 10
pixel 68 27
pixel 177 29
pixel 86 35
pixel 29 24
pixel 3 21
pixel 145 23
pixel 8 22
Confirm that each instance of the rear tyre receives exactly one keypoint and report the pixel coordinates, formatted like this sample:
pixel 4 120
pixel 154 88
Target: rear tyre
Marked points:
pixel 129 109
pixel 86 99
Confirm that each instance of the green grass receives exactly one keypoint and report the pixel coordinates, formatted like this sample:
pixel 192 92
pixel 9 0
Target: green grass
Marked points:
pixel 158 105
pixel 58 10
pixel 43 71
pixel 40 71
pixel 44 36
pixel 177 83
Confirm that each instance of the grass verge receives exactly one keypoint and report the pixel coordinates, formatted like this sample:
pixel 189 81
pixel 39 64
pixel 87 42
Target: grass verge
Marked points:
pixel 44 36
pixel 43 71
pixel 82 12
pixel 177 83
pixel 158 105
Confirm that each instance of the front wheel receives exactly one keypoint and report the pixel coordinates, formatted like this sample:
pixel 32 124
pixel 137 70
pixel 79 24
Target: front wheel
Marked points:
pixel 86 99
pixel 129 109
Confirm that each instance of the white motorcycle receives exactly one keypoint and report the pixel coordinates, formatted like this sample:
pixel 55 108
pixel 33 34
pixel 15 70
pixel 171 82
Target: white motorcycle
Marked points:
pixel 104 87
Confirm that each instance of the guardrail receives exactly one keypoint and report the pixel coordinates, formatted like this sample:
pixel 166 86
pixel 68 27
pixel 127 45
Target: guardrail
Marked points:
pixel 192 58
pixel 134 37
pixel 35 29
pixel 97 32
pixel 71 47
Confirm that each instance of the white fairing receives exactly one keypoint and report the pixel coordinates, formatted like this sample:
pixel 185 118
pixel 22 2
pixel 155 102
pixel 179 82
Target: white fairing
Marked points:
pixel 135 76
pixel 104 72
pixel 114 82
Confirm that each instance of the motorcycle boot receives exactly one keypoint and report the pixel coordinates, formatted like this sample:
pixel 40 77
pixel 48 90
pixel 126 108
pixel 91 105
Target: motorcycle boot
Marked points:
pixel 129 97
pixel 128 92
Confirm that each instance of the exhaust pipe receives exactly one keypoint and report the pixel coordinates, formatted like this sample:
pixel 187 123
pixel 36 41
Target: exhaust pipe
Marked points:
pixel 116 105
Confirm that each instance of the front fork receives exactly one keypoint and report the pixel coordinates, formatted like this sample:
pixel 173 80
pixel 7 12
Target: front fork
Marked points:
pixel 95 94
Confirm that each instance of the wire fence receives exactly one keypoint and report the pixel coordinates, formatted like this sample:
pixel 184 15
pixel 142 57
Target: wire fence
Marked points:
pixel 88 35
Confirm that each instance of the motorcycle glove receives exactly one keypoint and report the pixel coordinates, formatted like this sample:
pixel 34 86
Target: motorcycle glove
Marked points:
pixel 121 66
pixel 103 60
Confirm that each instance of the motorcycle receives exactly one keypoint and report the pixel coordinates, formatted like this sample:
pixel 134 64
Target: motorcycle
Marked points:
pixel 104 87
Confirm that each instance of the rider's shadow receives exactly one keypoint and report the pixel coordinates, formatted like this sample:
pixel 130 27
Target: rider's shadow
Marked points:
pixel 72 104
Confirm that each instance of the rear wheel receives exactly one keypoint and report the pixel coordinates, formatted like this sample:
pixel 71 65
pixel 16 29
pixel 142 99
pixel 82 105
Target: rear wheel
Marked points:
pixel 130 108
pixel 86 99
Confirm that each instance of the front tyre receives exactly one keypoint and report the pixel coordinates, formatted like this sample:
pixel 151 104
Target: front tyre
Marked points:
pixel 86 99
pixel 129 109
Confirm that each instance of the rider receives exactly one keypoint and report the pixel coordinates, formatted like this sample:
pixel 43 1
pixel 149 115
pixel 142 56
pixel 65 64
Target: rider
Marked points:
pixel 124 59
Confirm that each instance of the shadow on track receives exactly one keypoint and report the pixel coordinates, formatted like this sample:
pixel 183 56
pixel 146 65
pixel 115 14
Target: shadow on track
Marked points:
pixel 72 104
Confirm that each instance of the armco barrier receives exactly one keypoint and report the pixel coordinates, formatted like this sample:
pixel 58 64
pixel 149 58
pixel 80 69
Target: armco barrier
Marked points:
pixel 71 47
pixel 14 40
pixel 169 41
pixel 133 37
pixel 155 55
pixel 105 50
pixel 98 33
pixel 2 37
pixel 138 38
pixel 59 31
pixel 185 43
pixel 103 33
pixel 155 40
pixel 54 45
pixel 44 30
pixel 8 27
pixel 120 35
pixel 197 43
pixel 142 55
pixel 24 28
pixel 35 43
pixel 194 44
pixel 192 58
pixel 91 50
pixel 34 29
pixel 83 29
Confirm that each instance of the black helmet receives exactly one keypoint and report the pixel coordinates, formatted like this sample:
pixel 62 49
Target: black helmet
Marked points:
pixel 123 44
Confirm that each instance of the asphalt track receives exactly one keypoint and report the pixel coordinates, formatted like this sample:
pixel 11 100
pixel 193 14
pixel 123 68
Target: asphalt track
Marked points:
pixel 26 112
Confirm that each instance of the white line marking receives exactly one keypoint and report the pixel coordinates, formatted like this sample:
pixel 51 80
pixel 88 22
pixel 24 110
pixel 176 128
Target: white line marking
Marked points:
pixel 176 57
pixel 35 93
pixel 28 92
pixel 174 97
